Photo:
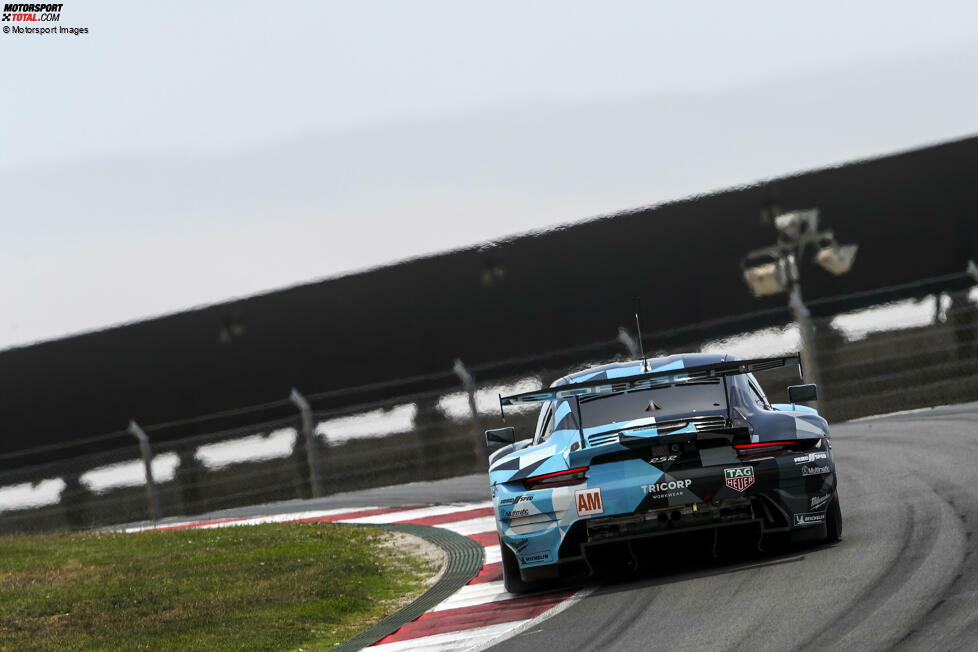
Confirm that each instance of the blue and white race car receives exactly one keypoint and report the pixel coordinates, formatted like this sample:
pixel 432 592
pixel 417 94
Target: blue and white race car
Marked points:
pixel 685 445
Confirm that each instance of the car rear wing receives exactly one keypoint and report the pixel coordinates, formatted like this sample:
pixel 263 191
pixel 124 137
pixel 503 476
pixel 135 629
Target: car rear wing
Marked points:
pixel 649 379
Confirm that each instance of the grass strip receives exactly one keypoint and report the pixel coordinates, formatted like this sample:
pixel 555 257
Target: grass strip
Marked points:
pixel 265 587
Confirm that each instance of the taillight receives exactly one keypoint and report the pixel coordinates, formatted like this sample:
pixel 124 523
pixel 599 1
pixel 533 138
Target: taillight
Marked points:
pixel 761 449
pixel 556 479
pixel 764 445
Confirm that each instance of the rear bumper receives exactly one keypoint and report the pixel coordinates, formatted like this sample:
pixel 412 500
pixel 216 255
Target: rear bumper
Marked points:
pixel 639 502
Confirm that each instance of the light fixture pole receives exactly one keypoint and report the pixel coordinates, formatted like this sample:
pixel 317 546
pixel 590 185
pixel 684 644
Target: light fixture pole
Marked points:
pixel 774 269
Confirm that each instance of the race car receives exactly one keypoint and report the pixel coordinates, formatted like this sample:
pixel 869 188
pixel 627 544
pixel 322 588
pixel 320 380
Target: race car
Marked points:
pixel 684 445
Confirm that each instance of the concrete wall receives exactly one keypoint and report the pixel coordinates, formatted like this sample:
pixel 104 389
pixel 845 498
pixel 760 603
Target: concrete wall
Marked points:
pixel 913 214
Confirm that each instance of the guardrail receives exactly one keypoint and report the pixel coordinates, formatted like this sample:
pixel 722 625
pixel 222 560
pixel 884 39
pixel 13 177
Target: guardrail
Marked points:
pixel 300 449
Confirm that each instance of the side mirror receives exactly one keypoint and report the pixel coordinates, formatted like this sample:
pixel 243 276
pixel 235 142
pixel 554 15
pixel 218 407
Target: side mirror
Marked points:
pixel 802 393
pixel 500 437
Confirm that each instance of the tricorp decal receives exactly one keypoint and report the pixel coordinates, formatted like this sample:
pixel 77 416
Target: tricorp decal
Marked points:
pixel 669 486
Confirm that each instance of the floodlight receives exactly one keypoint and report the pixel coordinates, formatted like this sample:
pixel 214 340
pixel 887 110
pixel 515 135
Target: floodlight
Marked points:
pixel 836 258
pixel 764 279
pixel 792 225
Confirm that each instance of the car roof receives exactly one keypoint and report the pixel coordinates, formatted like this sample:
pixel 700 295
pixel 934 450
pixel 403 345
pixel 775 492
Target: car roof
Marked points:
pixel 633 367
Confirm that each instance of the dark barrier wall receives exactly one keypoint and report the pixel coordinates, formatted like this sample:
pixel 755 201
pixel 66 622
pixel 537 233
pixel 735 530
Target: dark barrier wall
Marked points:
pixel 914 215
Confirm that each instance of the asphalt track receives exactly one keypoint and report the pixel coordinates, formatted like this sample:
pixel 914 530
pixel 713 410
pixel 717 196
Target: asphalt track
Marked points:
pixel 904 576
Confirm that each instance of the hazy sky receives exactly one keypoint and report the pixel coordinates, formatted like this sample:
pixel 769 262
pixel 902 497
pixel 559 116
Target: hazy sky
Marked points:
pixel 182 153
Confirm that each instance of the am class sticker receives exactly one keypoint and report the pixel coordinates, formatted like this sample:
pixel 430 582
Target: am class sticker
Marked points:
pixel 589 502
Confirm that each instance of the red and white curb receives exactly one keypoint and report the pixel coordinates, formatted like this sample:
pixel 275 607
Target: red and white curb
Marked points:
pixel 476 616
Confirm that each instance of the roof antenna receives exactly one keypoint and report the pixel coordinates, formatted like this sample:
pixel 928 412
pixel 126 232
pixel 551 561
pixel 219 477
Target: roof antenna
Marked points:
pixel 638 330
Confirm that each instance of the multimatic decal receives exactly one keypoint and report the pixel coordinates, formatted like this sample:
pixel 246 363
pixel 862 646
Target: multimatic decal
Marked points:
pixel 813 469
pixel 802 520
pixel 739 478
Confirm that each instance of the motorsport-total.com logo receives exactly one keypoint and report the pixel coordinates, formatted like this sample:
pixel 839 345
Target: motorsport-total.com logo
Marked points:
pixel 29 13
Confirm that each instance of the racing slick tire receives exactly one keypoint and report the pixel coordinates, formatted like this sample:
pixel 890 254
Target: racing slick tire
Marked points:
pixel 511 572
pixel 833 521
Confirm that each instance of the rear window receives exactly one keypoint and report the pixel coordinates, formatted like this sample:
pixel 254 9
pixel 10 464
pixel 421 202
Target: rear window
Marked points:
pixel 662 402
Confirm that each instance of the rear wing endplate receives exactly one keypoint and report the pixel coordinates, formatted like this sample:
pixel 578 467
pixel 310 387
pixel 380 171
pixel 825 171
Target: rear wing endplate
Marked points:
pixel 649 379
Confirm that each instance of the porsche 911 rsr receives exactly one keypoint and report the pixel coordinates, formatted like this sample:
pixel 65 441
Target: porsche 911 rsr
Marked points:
pixel 628 452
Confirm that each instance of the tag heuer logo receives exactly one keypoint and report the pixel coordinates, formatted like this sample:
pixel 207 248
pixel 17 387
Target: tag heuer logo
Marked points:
pixel 739 478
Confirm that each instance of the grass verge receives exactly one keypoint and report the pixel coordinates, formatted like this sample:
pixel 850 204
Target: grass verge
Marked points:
pixel 264 587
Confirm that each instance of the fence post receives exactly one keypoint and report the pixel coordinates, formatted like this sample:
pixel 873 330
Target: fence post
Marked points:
pixel 152 501
pixel 312 453
pixel 468 384
pixel 75 499
pixel 806 329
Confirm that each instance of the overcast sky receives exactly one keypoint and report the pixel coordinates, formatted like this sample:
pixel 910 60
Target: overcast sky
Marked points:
pixel 183 153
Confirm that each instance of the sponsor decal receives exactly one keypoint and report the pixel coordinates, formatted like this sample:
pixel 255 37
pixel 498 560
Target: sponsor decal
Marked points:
pixel 515 500
pixel 818 502
pixel 588 501
pixel 814 469
pixel 739 477
pixel 516 513
pixel 801 520
pixel 536 557
pixel 811 457
pixel 664 458
pixel 670 486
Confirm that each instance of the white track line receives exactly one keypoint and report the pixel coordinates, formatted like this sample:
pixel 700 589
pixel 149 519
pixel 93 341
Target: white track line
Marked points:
pixel 471 595
pixel 472 526
pixel 493 555
pixel 412 514
pixel 387 517
pixel 449 641
pixel 897 413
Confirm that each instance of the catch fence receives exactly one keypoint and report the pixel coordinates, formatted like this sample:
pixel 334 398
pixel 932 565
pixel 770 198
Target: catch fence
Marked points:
pixel 905 355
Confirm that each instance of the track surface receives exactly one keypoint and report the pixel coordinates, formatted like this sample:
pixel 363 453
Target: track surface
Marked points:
pixel 904 577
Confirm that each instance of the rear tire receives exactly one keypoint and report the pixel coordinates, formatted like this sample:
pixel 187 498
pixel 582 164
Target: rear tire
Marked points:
pixel 512 580
pixel 833 520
